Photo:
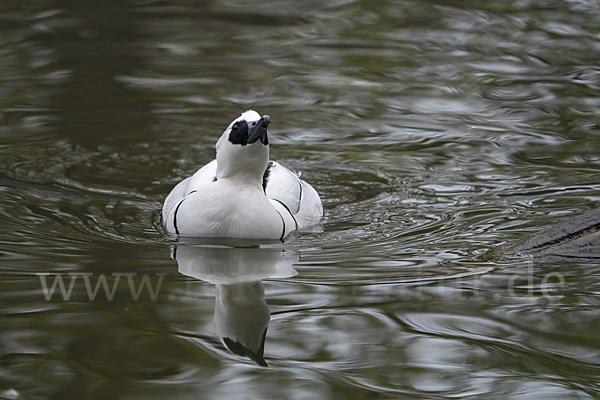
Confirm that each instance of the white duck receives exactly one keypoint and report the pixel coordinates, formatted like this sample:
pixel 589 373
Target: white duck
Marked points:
pixel 242 193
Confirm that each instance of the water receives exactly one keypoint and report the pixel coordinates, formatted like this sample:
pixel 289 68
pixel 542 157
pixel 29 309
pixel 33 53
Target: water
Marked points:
pixel 434 131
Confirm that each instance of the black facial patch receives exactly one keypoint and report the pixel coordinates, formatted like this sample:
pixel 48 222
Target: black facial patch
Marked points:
pixel 239 133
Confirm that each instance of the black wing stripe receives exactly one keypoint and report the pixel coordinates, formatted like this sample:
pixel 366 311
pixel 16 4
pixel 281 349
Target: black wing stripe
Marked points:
pixel 283 222
pixel 288 210
pixel 177 209
pixel 175 215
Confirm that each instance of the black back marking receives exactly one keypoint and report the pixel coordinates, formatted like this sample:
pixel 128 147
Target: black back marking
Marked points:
pixel 239 133
pixel 299 197
pixel 266 175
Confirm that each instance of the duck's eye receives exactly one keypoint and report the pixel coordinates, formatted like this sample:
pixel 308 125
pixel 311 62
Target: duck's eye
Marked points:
pixel 254 123
pixel 239 133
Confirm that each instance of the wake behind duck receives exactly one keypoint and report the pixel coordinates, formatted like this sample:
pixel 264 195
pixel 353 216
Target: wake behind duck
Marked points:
pixel 242 193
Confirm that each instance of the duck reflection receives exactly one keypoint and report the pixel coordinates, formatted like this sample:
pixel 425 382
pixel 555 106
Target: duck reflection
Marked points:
pixel 241 313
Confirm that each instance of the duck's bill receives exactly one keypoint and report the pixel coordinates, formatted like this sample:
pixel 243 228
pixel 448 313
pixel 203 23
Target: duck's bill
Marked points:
pixel 259 131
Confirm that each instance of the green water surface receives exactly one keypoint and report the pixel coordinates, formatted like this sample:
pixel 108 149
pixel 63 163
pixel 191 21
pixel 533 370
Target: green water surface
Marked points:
pixel 433 130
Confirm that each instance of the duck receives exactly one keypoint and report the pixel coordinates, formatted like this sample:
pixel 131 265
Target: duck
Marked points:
pixel 242 193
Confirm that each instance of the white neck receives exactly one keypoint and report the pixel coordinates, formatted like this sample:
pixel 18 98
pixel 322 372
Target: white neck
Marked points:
pixel 242 178
pixel 244 167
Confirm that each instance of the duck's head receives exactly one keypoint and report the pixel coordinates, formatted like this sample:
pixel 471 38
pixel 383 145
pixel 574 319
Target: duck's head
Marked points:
pixel 244 146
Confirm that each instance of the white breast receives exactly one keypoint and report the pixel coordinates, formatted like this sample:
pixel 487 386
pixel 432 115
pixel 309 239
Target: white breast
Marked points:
pixel 203 206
